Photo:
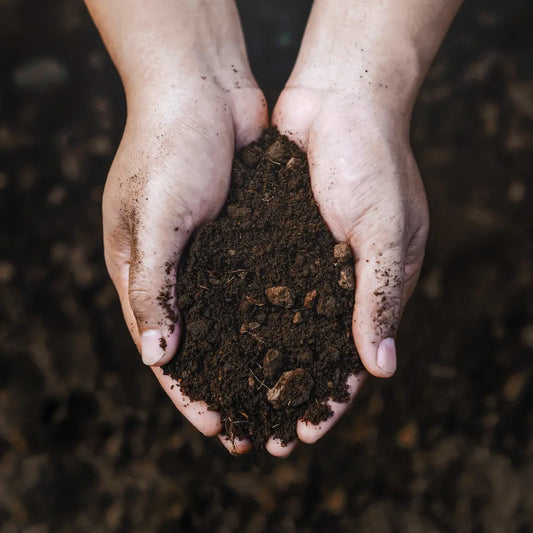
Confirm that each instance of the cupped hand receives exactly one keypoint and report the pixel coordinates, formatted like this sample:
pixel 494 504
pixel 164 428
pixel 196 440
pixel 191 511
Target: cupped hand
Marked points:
pixel 369 192
pixel 171 174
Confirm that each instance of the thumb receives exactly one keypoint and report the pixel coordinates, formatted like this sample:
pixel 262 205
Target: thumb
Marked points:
pixel 157 245
pixel 378 307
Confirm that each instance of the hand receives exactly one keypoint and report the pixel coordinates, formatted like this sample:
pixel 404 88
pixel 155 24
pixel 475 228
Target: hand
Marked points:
pixel 171 174
pixel 370 194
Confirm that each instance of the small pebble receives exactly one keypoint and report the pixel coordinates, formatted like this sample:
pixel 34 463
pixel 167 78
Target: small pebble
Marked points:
pixel 293 162
pixel 280 296
pixel 298 318
pixel 309 299
pixel 347 278
pixel 327 306
pixel 273 363
pixel 276 151
pixel 293 388
pixel 250 326
pixel 342 252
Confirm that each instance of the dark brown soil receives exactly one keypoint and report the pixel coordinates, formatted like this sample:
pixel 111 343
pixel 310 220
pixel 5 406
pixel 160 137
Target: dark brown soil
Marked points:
pixel 267 300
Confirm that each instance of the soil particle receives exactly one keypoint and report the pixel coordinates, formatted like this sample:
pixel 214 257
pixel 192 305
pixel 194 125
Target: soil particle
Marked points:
pixel 276 152
pixel 273 363
pixel 271 307
pixel 347 277
pixel 292 389
pixel 327 306
pixel 298 318
pixel 234 211
pixel 310 299
pixel 292 163
pixel 280 296
pixel 342 252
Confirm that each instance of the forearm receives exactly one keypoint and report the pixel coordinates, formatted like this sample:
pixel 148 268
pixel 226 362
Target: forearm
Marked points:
pixel 156 40
pixel 386 46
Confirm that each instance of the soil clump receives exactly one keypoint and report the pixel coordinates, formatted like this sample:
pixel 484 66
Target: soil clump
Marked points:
pixel 266 296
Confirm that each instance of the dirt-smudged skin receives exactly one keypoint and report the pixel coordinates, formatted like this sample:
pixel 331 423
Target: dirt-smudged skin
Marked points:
pixel 266 276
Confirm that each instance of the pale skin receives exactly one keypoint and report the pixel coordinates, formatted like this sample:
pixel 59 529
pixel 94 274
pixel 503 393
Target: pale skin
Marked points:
pixel 347 103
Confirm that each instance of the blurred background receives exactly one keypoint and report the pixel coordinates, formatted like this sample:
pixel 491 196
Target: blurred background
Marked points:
pixel 89 441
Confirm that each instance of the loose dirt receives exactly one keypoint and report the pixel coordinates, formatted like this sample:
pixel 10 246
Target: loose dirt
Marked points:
pixel 266 296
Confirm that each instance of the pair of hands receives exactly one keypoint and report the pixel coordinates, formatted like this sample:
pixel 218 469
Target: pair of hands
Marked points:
pixel 171 174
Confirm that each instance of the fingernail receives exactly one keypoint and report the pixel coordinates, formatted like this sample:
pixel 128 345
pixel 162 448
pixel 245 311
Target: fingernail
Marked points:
pixel 386 356
pixel 153 346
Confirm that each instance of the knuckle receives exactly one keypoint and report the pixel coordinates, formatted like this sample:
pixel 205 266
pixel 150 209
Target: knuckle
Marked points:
pixel 141 299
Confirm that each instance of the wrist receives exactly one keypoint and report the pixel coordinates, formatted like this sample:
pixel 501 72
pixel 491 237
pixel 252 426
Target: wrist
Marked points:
pixel 167 42
pixel 377 51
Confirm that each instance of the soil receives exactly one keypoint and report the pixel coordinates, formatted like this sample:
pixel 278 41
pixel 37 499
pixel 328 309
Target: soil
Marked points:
pixel 267 297
pixel 88 439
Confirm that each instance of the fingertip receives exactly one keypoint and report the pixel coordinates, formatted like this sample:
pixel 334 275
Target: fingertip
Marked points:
pixel 196 412
pixel 158 348
pixel 235 446
pixel 276 448
pixel 382 362
pixel 310 433
pixel 386 356
pixel 206 422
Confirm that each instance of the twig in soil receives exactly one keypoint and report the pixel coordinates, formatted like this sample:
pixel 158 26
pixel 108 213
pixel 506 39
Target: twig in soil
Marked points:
pixel 255 336
pixel 261 383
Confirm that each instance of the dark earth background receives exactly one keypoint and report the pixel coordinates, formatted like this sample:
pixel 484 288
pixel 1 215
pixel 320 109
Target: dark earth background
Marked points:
pixel 89 441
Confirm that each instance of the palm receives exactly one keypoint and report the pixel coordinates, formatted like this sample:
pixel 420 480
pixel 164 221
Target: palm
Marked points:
pixel 369 192
pixel 170 175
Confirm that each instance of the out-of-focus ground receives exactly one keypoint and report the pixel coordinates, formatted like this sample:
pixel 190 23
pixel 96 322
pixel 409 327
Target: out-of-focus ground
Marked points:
pixel 89 441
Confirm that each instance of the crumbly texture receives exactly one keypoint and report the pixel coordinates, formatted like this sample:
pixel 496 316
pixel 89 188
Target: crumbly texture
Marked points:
pixel 262 293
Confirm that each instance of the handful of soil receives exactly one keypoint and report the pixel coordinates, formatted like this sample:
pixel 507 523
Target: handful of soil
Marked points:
pixel 267 298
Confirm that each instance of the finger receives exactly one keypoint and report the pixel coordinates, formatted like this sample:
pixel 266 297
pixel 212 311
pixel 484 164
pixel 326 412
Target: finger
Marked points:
pixel 197 413
pixel 277 449
pixel 252 105
pixel 235 446
pixel 294 121
pixel 380 276
pixel 157 244
pixel 119 273
pixel 310 433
